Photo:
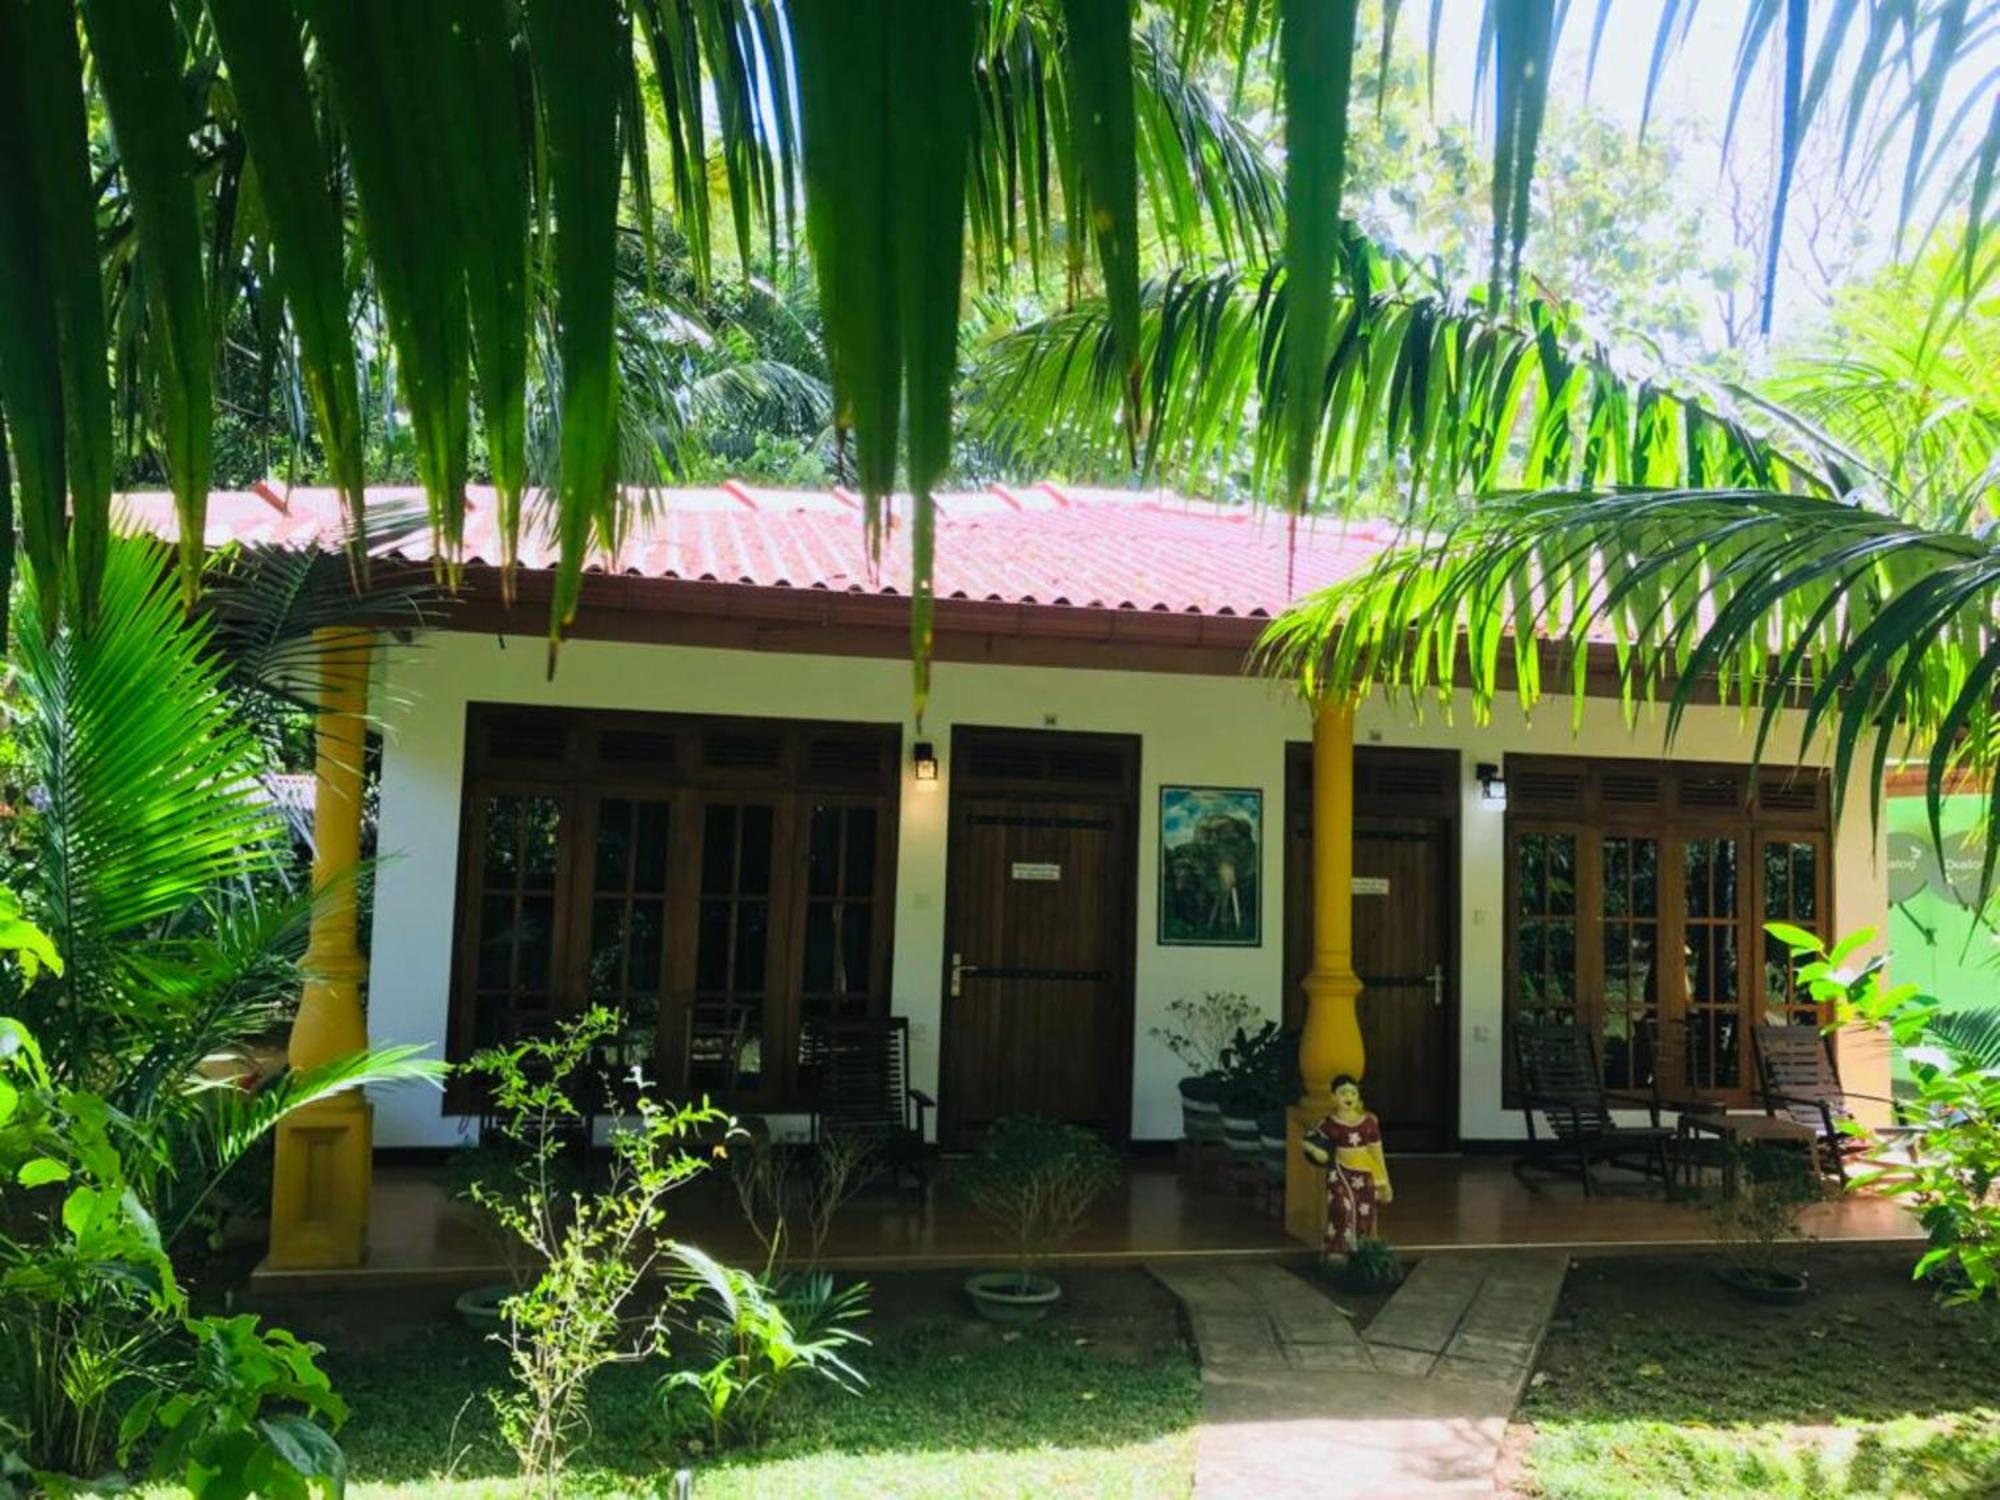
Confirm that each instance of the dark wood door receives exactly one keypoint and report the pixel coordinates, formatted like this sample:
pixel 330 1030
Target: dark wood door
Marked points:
pixel 1404 942
pixel 1038 954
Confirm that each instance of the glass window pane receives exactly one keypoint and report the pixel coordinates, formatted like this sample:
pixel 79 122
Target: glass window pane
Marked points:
pixel 541 835
pixel 718 849
pixel 1534 878
pixel 496 942
pixel 754 877
pixel 1617 875
pixel 1777 885
pixel 535 944
pixel 649 864
pixel 1562 874
pixel 1646 877
pixel 712 947
pixel 1617 964
pixel 614 843
pixel 860 873
pixel 502 816
pixel 607 946
pixel 752 924
pixel 642 972
pixel 1562 964
pixel 854 945
pixel 1805 884
pixel 823 853
pixel 1725 877
pixel 818 976
pixel 1700 877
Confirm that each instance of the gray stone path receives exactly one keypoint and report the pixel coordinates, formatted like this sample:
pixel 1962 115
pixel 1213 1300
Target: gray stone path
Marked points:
pixel 1296 1404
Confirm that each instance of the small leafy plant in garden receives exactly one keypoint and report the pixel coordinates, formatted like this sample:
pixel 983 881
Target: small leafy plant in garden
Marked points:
pixel 1034 1179
pixel 1951 1162
pixel 1756 1221
pixel 586 1310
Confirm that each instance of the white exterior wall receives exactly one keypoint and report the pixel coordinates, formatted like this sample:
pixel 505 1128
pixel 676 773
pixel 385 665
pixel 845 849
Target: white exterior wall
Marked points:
pixel 1193 730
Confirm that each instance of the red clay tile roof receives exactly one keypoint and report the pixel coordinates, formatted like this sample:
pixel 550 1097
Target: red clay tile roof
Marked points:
pixel 1047 545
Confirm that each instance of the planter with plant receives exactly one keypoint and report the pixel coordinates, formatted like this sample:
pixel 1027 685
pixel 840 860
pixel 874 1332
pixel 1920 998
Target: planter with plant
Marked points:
pixel 1260 1076
pixel 1773 1185
pixel 1372 1266
pixel 1197 1033
pixel 1033 1179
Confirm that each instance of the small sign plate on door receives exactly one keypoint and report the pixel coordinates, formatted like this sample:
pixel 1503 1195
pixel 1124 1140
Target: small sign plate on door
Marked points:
pixel 1031 870
pixel 1371 885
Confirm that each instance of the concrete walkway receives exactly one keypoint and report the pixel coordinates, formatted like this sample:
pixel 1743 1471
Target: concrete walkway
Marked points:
pixel 1296 1404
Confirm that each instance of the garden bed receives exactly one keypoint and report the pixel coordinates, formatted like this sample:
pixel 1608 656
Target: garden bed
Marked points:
pixel 1654 1381
pixel 1100 1400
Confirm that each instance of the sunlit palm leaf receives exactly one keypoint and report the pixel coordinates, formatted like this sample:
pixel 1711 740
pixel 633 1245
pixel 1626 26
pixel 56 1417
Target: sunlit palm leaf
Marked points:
pixel 380 57
pixel 1879 632
pixel 62 211
pixel 1317 69
pixel 30 353
pixel 136 47
pixel 578 50
pixel 259 40
pixel 1419 397
pixel 485 85
pixel 140 760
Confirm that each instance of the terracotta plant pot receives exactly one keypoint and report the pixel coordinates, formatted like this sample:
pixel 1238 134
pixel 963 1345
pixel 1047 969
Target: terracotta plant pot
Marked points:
pixel 1778 1288
pixel 1010 1297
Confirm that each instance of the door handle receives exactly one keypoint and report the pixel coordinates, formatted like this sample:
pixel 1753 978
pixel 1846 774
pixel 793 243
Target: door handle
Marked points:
pixel 1436 977
pixel 959 969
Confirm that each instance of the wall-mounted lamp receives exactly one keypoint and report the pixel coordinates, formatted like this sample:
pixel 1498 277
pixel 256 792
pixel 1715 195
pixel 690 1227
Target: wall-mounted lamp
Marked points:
pixel 924 761
pixel 1492 785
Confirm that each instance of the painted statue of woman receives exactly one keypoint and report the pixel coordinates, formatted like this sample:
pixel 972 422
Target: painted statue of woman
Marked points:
pixel 1348 1143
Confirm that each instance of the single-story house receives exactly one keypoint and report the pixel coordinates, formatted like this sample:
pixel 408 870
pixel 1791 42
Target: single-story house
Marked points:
pixel 719 808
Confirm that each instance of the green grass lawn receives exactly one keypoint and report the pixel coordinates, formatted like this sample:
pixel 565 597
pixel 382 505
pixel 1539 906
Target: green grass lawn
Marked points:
pixel 1099 1402
pixel 1657 1383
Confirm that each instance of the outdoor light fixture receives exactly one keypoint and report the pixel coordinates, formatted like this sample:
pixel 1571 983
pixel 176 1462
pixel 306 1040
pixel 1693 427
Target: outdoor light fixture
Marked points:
pixel 924 761
pixel 1492 785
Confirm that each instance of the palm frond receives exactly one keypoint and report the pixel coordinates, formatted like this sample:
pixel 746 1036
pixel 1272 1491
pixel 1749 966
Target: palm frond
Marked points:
pixel 1420 397
pixel 1973 1034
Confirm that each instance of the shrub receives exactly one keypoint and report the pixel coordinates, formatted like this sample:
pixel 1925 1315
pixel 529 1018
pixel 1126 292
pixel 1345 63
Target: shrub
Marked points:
pixel 1952 1119
pixel 1199 1030
pixel 1773 1185
pixel 596 1249
pixel 1034 1179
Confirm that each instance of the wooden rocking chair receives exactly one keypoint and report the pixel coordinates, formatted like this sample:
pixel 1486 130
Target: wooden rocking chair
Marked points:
pixel 860 1070
pixel 1798 1079
pixel 1562 1092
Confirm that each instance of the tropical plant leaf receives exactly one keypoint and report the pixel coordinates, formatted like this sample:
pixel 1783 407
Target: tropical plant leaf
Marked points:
pixel 579 48
pixel 260 43
pixel 1317 70
pixel 136 47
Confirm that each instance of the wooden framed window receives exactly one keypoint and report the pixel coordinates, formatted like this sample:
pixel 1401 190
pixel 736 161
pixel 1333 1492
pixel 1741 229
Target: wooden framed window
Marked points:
pixel 719 880
pixel 1636 896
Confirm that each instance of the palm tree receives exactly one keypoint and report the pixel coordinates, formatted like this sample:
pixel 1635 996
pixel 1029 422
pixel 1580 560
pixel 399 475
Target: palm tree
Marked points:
pixel 1873 615
pixel 482 139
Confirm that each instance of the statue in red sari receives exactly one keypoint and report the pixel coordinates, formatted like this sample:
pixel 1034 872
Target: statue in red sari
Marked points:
pixel 1348 1143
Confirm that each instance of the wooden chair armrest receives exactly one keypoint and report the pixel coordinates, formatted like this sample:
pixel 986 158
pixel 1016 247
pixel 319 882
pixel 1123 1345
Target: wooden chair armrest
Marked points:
pixel 1648 1102
pixel 922 1098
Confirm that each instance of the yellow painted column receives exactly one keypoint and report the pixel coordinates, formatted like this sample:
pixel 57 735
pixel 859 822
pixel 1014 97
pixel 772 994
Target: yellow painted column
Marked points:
pixel 320 1188
pixel 1331 1042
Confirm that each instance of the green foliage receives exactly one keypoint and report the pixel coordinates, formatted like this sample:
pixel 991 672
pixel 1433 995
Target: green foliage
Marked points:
pixel 1034 1179
pixel 1199 1032
pixel 597 1249
pixel 213 1431
pixel 1773 1185
pixel 92 1316
pixel 1953 1130
pixel 757 1343
pixel 1371 1264
pixel 1260 1070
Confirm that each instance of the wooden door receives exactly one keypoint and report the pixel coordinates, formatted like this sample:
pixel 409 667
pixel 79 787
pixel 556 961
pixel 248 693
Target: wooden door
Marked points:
pixel 1404 939
pixel 1038 952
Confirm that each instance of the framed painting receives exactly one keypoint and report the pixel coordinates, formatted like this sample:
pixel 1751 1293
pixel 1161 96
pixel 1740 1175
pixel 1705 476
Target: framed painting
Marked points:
pixel 1211 864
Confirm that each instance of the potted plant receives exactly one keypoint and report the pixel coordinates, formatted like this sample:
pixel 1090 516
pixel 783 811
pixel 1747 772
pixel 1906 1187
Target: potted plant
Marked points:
pixel 1372 1266
pixel 1197 1033
pixel 1033 1179
pixel 1772 1186
pixel 1260 1076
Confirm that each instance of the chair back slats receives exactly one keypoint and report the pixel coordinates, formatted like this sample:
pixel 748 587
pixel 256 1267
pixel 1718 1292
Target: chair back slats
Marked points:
pixel 1796 1072
pixel 1559 1078
pixel 862 1072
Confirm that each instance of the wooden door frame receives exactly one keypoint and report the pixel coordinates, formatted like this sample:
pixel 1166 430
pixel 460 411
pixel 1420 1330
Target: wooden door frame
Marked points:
pixel 966 785
pixel 1447 810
